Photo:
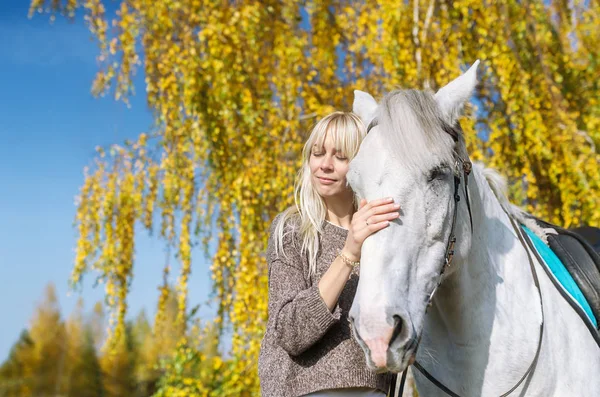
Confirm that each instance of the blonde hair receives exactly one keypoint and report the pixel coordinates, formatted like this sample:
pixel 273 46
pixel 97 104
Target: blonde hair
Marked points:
pixel 347 132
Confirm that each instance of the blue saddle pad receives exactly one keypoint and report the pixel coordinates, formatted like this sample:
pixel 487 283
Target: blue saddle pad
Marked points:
pixel 560 273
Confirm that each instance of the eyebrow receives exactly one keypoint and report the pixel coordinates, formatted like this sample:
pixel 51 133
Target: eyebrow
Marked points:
pixel 322 147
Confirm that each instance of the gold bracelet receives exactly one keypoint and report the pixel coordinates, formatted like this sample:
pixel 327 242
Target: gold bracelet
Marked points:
pixel 347 260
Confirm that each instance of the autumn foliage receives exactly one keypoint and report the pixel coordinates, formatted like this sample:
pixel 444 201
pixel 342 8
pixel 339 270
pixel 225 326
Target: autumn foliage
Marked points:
pixel 64 357
pixel 235 85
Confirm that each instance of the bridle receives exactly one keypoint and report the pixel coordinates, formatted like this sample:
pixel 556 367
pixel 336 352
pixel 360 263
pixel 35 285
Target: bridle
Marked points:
pixel 465 166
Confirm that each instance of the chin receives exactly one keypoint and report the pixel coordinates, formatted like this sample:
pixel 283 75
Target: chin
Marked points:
pixel 332 191
pixel 327 193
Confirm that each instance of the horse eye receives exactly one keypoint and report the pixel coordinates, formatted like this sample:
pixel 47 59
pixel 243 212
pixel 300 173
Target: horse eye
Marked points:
pixel 438 172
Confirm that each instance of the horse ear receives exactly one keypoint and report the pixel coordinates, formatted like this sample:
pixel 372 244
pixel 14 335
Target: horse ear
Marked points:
pixel 452 97
pixel 364 106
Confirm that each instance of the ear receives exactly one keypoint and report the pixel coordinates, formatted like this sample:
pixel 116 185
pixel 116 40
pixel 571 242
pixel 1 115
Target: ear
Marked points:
pixel 452 97
pixel 364 106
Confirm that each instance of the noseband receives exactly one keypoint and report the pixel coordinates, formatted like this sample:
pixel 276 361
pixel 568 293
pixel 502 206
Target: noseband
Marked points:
pixel 465 166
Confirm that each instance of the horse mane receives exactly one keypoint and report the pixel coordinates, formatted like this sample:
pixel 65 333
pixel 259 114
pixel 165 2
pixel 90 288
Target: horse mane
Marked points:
pixel 412 125
pixel 403 112
pixel 499 187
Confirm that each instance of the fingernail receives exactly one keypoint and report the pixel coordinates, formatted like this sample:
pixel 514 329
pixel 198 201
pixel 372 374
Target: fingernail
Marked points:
pixel 396 205
pixel 390 199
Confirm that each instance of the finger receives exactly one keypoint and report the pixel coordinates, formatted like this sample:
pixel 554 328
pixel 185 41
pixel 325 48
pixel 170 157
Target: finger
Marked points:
pixel 373 228
pixel 360 213
pixel 373 204
pixel 363 216
pixel 362 203
pixel 383 217
pixel 382 209
pixel 377 202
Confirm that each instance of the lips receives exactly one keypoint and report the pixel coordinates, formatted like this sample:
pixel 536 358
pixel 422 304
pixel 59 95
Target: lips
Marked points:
pixel 326 179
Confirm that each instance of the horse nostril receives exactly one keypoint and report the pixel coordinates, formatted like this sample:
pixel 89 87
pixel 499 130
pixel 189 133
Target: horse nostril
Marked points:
pixel 398 324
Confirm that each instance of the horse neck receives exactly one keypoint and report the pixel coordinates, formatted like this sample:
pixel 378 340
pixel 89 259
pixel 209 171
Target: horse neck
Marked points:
pixel 490 288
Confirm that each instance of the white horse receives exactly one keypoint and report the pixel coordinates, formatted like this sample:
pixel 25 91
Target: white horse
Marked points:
pixel 488 328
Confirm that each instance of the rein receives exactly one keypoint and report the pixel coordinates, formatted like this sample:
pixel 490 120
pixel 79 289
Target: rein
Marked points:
pixel 449 255
pixel 529 371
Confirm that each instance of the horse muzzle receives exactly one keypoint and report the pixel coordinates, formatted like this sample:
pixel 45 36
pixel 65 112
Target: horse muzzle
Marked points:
pixel 386 347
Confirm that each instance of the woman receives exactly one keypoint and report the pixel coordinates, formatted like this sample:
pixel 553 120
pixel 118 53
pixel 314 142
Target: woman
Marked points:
pixel 314 256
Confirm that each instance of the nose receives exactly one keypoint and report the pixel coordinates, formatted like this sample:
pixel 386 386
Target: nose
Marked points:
pixel 379 343
pixel 327 162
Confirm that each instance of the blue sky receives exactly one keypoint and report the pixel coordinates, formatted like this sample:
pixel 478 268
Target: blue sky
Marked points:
pixel 49 127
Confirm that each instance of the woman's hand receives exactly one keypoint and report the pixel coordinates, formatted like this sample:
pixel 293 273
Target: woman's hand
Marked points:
pixel 370 218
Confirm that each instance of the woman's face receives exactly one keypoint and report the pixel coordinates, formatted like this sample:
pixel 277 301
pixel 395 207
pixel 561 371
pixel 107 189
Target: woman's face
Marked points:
pixel 328 170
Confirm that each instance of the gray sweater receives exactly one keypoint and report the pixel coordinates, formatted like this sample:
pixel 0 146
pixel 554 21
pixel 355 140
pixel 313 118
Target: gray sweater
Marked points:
pixel 306 347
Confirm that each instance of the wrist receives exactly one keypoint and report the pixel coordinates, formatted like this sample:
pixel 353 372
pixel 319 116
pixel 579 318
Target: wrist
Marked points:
pixel 349 262
pixel 350 255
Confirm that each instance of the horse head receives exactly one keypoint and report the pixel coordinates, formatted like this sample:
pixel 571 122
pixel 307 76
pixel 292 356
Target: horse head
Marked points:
pixel 414 152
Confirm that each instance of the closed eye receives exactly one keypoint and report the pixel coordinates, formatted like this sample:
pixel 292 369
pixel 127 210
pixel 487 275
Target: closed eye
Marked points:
pixel 438 172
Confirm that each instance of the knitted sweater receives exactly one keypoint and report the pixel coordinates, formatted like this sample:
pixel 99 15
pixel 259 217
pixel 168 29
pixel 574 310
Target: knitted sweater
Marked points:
pixel 306 347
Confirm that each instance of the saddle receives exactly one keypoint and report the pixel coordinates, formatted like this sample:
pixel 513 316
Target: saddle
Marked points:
pixel 581 258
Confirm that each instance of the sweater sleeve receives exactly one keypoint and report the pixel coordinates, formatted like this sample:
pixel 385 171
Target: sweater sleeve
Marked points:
pixel 299 314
